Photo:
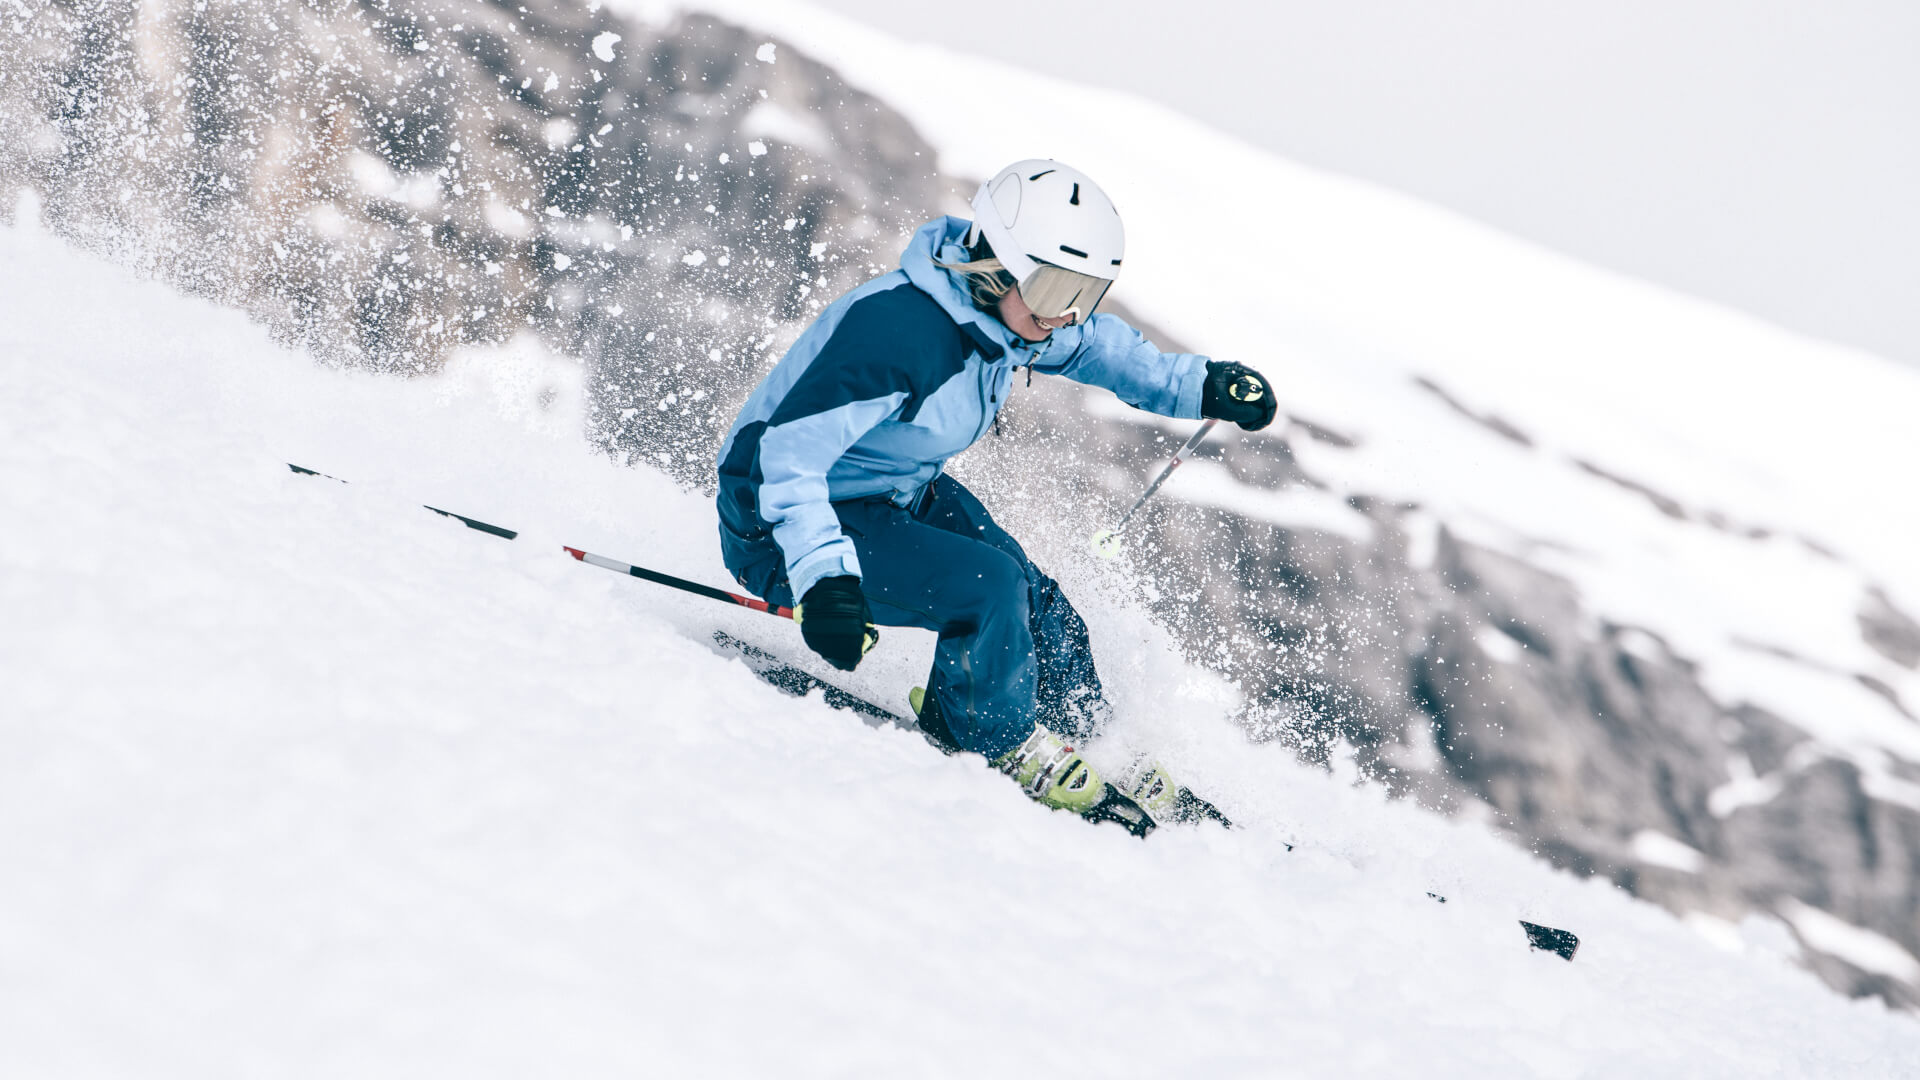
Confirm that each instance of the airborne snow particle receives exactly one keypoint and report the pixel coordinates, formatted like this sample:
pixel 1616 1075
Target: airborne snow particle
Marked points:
pixel 561 261
pixel 765 53
pixel 603 46
pixel 694 258
pixel 756 148
pixel 553 81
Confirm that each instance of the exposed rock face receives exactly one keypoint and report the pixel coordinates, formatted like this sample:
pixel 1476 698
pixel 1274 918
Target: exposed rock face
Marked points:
pixel 382 182
pixel 1893 633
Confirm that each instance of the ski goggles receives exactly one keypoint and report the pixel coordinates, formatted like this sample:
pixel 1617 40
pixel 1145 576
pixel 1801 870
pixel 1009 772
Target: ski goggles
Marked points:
pixel 1053 292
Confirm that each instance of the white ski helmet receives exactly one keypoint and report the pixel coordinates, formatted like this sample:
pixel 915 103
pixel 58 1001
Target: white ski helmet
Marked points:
pixel 1055 231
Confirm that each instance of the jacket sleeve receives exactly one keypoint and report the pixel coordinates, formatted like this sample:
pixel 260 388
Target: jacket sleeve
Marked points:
pixel 886 354
pixel 1112 354
pixel 794 459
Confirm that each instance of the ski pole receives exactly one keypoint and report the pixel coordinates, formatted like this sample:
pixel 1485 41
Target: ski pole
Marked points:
pixel 471 523
pixel 1106 542
pixel 601 561
pixel 682 584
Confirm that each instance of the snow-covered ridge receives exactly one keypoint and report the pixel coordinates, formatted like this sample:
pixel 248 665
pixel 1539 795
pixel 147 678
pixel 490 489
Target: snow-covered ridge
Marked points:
pixel 307 760
pixel 297 777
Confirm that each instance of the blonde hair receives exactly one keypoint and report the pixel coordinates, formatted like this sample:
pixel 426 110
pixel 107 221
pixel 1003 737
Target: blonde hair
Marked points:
pixel 988 279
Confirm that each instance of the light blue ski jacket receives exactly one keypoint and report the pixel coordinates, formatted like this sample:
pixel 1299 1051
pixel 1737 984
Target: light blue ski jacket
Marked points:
pixel 890 381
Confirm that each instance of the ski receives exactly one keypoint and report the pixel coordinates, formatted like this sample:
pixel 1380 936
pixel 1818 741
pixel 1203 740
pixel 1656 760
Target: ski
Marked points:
pixel 791 680
pixel 1561 943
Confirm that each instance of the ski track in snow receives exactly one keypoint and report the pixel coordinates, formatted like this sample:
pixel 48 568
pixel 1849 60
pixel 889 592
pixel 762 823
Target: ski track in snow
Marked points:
pixel 297 778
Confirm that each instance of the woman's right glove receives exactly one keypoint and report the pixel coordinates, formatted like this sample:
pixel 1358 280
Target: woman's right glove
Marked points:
pixel 835 621
pixel 1238 393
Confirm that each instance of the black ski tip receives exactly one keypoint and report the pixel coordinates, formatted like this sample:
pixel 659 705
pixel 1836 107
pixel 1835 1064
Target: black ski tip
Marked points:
pixel 1561 943
pixel 301 470
pixel 475 523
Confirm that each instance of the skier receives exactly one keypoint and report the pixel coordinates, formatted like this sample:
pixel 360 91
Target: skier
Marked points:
pixel 832 494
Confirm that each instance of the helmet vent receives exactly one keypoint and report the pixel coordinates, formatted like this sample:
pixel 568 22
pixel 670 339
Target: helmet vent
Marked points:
pixel 1075 198
pixel 1076 251
pixel 1044 172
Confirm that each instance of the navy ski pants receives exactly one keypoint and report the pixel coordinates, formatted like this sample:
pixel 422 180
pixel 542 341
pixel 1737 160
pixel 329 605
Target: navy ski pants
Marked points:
pixel 1012 650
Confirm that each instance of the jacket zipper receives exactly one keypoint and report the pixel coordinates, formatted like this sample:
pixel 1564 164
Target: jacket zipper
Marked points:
pixel 993 398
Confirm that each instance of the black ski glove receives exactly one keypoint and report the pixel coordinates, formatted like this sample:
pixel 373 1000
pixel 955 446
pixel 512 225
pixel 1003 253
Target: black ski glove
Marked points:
pixel 1238 393
pixel 834 619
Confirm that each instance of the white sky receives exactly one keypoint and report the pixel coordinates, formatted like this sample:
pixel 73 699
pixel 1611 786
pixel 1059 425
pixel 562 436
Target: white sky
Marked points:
pixel 1759 153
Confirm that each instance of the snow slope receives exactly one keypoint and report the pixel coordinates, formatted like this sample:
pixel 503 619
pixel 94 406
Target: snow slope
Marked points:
pixel 299 779
pixel 1736 489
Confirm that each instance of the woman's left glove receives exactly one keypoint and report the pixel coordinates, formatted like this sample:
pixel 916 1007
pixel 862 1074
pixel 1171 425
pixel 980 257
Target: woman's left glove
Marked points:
pixel 1238 393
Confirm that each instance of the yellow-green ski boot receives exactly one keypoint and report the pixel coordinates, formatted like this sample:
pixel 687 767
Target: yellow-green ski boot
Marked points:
pixel 1047 769
pixel 932 722
pixel 1053 773
pixel 1146 782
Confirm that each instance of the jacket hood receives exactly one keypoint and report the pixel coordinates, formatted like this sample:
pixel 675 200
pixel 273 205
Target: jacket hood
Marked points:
pixel 943 239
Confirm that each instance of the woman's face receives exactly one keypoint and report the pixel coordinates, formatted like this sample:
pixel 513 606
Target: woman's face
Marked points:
pixel 1021 320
